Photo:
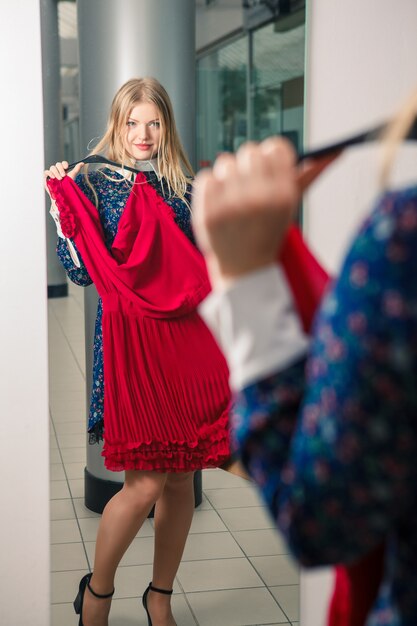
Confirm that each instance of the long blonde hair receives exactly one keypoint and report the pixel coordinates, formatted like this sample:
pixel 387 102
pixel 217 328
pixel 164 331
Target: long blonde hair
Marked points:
pixel 397 130
pixel 173 163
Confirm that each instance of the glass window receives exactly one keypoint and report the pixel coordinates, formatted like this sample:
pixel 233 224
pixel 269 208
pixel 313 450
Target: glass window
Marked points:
pixel 252 88
pixel 222 101
pixel 277 80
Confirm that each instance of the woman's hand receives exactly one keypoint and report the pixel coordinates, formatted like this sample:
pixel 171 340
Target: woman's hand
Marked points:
pixel 58 171
pixel 243 207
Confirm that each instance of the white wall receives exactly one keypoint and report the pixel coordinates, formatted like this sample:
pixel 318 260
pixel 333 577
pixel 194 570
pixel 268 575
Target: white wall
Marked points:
pixel 360 67
pixel 24 518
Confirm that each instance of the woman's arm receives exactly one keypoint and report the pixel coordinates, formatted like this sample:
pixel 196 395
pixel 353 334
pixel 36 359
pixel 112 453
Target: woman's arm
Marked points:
pixel 76 273
pixel 333 454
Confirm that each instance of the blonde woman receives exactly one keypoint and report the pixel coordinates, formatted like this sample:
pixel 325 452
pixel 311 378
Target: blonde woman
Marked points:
pixel 160 394
pixel 326 427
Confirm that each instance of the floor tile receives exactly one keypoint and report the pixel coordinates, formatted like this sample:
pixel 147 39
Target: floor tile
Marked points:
pixel 70 428
pixel 217 574
pixel 132 580
pixel 68 415
pixel 82 510
pixel 205 504
pixel 261 542
pixel 288 598
pixel 250 518
pixel 89 528
pixel 75 470
pixel 54 456
pixel 235 607
pixel 207 522
pixel 219 479
pixel 63 614
pixel 72 441
pixel 276 570
pixel 68 556
pixel 65 531
pixel 59 490
pixel 67 407
pixel 129 612
pixel 56 471
pixel 61 509
pixel 211 546
pixel 76 486
pixel 64 585
pixel 233 498
pixel 140 551
pixel 74 455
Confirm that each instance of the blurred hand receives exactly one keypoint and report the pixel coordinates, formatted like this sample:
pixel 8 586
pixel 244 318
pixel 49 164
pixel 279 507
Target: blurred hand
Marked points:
pixel 242 207
pixel 58 171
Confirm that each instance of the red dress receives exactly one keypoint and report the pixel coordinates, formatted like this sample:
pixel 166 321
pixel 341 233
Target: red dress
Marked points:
pixel 167 398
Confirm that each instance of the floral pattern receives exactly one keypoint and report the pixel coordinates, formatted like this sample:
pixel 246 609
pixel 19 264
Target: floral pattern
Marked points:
pixel 332 440
pixel 112 197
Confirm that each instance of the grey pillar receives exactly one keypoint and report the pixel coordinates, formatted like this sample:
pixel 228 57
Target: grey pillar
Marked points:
pixel 118 41
pixel 57 281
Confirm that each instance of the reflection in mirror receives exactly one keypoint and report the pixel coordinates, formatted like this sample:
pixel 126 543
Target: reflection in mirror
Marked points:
pixel 235 562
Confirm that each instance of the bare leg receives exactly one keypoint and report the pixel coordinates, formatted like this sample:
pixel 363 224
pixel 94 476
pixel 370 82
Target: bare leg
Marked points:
pixel 122 518
pixel 173 515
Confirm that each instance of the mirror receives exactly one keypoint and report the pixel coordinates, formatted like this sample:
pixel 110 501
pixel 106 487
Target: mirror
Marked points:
pixel 235 564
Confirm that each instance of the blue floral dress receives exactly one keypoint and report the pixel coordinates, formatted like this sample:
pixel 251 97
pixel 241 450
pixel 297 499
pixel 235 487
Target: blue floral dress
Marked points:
pixel 112 197
pixel 332 440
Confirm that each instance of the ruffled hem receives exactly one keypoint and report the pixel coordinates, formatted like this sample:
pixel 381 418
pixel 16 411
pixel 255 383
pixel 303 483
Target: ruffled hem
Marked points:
pixel 66 217
pixel 173 460
pixel 210 450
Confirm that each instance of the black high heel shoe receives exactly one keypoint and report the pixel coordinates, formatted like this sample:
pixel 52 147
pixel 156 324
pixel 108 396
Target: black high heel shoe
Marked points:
pixel 79 600
pixel 149 588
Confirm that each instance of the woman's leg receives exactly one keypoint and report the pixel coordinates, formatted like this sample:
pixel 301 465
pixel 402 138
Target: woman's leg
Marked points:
pixel 173 515
pixel 122 518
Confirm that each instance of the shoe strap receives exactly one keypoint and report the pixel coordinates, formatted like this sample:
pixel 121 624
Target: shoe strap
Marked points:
pixel 167 592
pixel 99 595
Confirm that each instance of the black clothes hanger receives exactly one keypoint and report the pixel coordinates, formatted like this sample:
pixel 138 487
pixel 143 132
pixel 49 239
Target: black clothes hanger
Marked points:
pixel 99 158
pixel 371 134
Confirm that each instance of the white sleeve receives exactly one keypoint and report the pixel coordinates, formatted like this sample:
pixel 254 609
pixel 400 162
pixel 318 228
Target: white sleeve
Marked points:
pixel 53 211
pixel 256 325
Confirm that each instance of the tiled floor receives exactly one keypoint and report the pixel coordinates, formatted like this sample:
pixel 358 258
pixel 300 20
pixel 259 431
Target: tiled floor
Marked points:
pixel 235 571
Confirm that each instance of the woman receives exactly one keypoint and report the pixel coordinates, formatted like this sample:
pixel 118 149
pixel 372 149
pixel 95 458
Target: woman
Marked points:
pixel 333 451
pixel 160 395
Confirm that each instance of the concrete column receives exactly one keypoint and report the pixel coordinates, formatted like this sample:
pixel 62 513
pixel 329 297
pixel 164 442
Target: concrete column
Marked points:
pixel 24 459
pixel 57 281
pixel 118 41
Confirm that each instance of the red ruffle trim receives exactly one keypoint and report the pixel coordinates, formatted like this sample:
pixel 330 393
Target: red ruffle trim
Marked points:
pixel 66 216
pixel 211 450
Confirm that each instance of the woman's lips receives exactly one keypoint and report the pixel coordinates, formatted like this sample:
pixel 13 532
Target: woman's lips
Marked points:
pixel 142 146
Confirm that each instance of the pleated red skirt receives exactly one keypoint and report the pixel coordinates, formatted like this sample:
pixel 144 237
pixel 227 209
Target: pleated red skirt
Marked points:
pixel 174 417
pixel 166 392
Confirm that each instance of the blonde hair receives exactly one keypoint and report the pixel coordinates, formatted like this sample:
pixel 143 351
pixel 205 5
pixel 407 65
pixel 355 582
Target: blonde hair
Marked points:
pixel 173 163
pixel 397 130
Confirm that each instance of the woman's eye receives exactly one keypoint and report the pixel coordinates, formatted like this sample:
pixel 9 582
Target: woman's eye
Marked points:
pixel 154 124
pixel 130 123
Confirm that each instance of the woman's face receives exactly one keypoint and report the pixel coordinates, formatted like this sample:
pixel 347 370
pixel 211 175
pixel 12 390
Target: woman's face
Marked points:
pixel 143 132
